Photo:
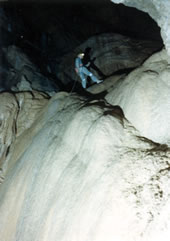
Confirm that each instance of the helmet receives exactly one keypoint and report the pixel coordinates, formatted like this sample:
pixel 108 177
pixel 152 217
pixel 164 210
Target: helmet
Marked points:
pixel 81 55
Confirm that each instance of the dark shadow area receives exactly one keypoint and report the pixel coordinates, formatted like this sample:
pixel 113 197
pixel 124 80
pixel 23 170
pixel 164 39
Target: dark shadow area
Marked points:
pixel 75 87
pixel 89 63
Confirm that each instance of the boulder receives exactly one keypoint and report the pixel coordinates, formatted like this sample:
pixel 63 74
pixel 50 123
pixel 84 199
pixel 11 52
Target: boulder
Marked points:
pixel 144 97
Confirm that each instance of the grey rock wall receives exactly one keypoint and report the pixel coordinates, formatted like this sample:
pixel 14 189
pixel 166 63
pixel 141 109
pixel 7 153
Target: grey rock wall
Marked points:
pixel 110 52
pixel 19 73
pixel 158 10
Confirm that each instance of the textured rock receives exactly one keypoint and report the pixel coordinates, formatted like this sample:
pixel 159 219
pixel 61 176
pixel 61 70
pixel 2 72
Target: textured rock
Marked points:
pixel 78 178
pixel 30 105
pixel 106 86
pixel 18 59
pixel 18 113
pixel 29 80
pixel 158 10
pixel 112 52
pixel 144 97
pixel 8 115
pixel 20 74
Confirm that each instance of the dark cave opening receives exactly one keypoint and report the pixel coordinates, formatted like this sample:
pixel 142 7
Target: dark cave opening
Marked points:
pixel 47 31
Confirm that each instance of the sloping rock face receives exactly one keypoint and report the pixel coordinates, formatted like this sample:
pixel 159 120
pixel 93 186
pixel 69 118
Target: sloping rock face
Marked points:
pixel 158 10
pixel 144 97
pixel 8 116
pixel 18 113
pixel 78 178
pixel 106 86
pixel 109 53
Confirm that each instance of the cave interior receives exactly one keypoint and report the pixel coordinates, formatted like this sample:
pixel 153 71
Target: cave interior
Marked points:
pixel 47 31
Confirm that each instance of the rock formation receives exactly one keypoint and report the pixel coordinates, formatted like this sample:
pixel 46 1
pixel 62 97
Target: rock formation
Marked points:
pixel 78 178
pixel 109 53
pixel 9 112
pixel 18 113
pixel 158 10
pixel 144 97
pixel 78 167
pixel 19 73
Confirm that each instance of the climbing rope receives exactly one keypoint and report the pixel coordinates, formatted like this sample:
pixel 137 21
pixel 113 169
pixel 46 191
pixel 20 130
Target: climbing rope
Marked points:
pixel 73 87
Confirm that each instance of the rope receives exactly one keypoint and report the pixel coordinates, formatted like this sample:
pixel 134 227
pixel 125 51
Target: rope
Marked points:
pixel 73 87
pixel 69 94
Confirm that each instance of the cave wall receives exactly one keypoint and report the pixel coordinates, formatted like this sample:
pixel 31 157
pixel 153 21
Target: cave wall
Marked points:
pixel 158 10
pixel 72 170
pixel 57 28
pixel 144 97
pixel 74 175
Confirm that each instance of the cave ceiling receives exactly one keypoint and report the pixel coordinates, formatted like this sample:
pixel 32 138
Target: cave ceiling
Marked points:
pixel 85 17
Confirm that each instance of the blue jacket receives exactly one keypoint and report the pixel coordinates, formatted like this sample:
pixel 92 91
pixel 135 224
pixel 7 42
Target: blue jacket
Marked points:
pixel 78 63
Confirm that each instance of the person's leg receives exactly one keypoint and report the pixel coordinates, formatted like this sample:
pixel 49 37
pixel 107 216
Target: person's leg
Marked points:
pixel 83 79
pixel 88 73
pixel 94 79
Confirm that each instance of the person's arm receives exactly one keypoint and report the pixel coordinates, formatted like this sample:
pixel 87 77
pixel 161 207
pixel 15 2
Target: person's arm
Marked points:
pixel 78 64
pixel 76 69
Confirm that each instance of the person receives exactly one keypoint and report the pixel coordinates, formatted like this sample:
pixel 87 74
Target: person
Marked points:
pixel 83 72
pixel 89 63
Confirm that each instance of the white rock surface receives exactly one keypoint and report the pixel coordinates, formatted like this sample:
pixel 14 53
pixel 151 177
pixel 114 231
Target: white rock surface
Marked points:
pixel 85 174
pixel 144 98
pixel 30 105
pixel 158 10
